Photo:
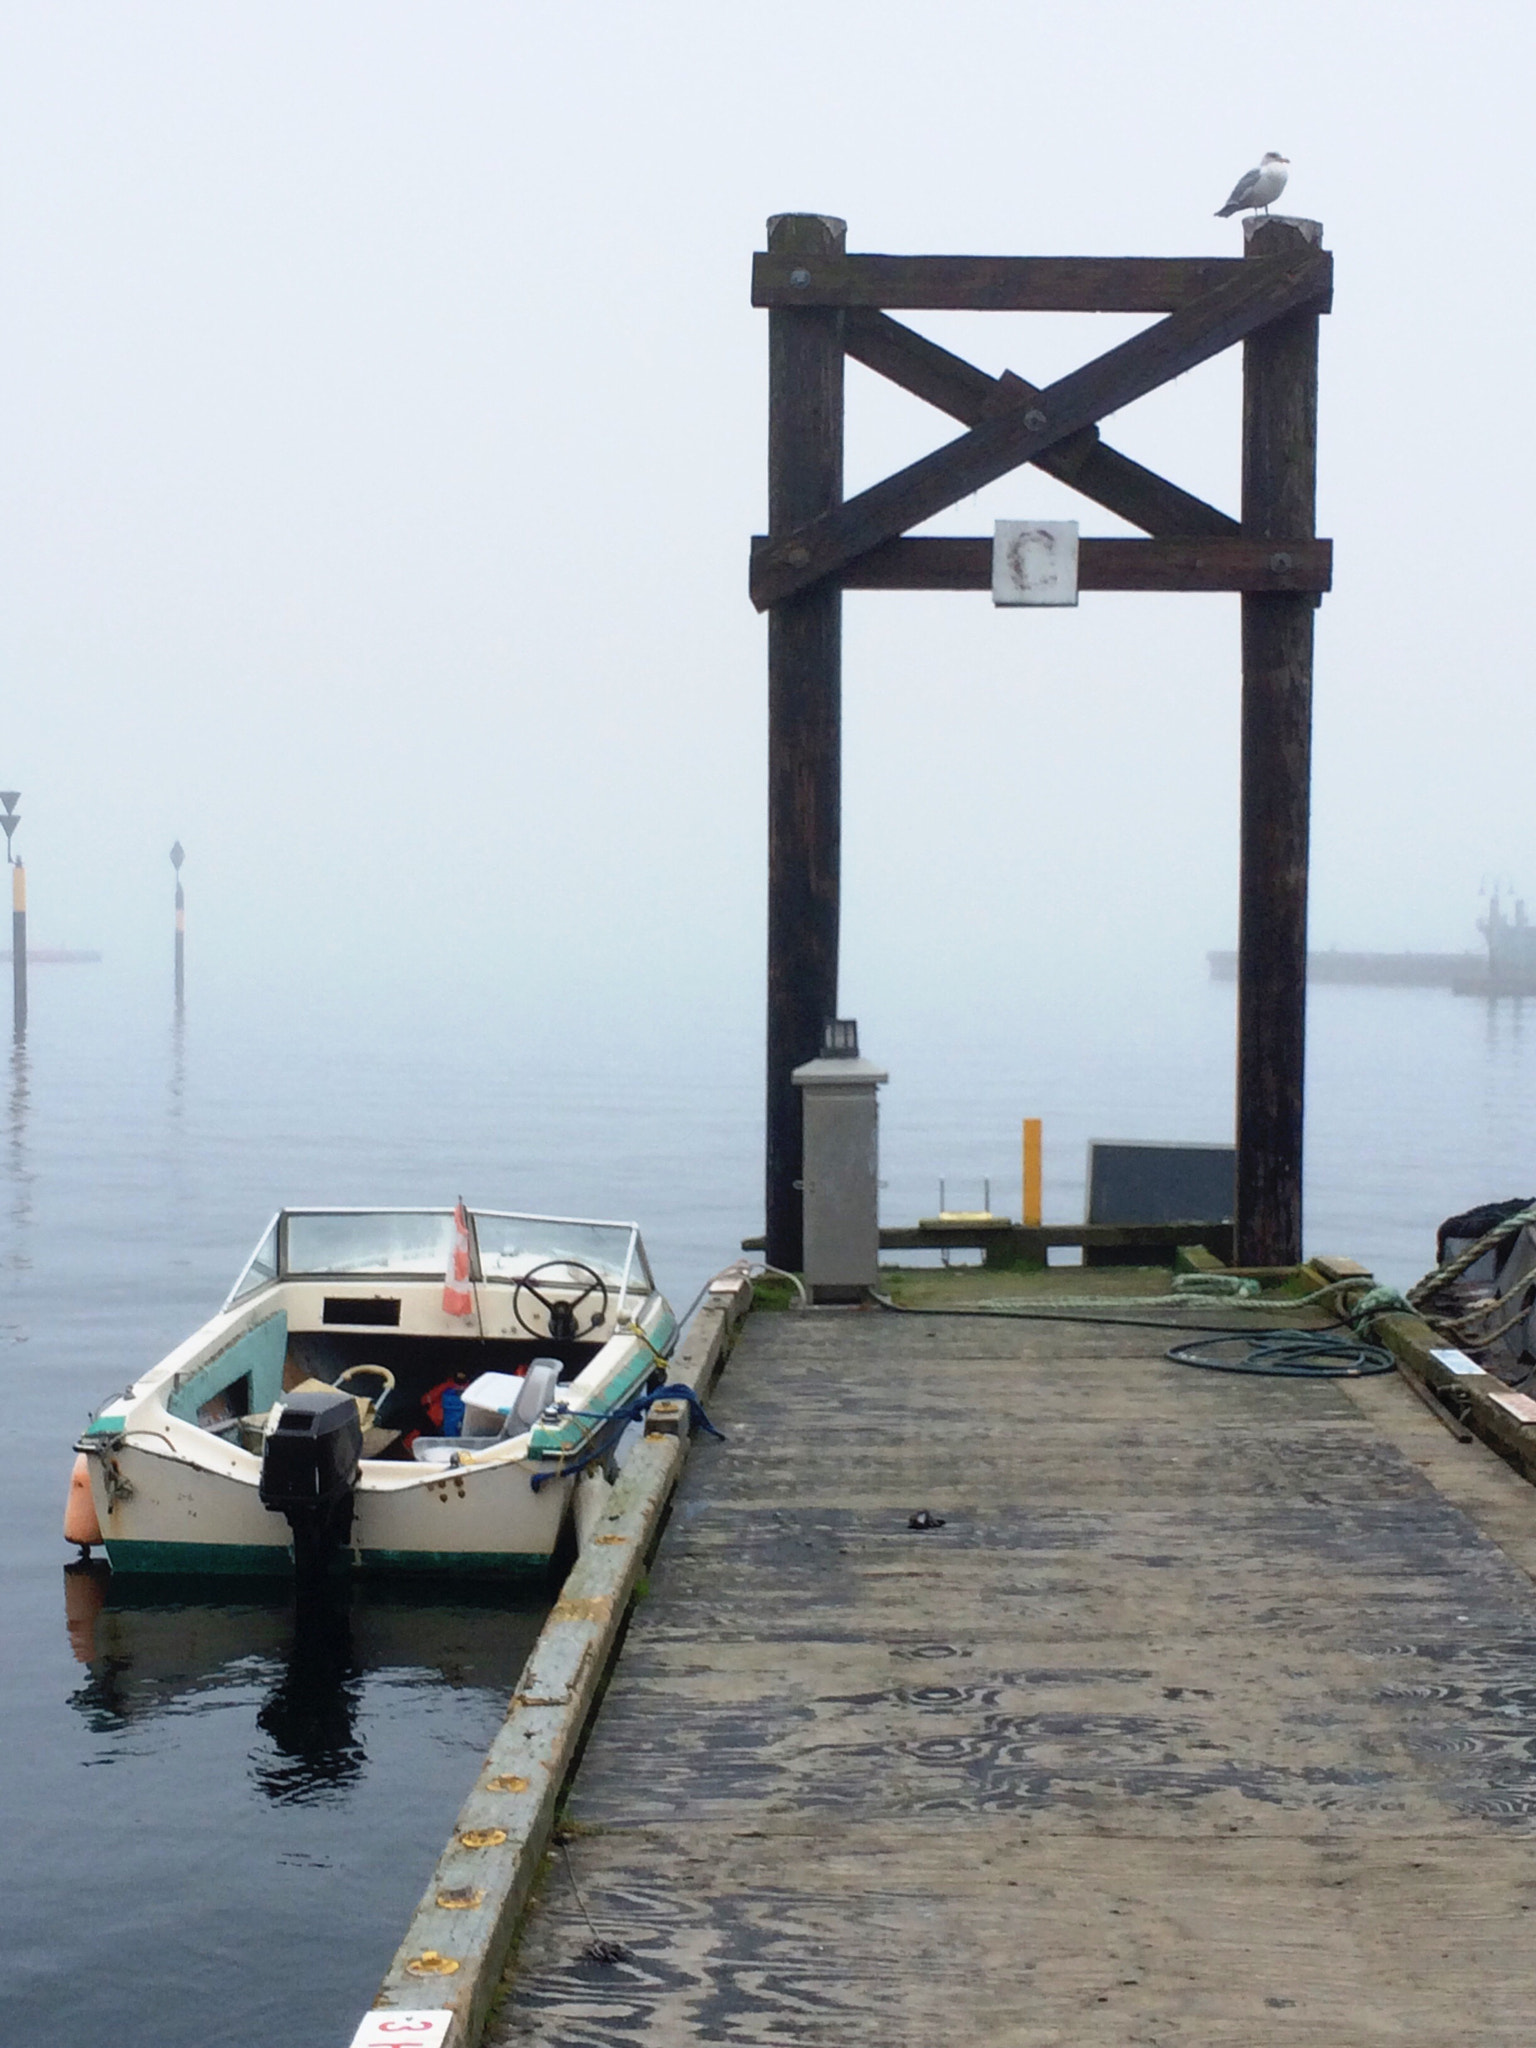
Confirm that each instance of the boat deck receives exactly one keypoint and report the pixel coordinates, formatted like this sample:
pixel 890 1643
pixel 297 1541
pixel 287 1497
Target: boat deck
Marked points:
pixel 1209 1716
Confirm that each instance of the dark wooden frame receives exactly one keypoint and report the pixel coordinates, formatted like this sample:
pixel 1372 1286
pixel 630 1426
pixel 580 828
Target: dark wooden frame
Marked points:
pixel 823 305
pixel 1009 1245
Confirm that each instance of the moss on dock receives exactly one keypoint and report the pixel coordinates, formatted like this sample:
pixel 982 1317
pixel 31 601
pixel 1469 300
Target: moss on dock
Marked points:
pixel 960 1286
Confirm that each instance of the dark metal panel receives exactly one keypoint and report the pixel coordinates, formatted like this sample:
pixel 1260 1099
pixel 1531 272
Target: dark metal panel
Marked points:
pixel 1149 1183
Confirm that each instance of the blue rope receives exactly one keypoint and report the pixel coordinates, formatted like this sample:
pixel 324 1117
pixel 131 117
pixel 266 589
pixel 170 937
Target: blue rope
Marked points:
pixel 616 1420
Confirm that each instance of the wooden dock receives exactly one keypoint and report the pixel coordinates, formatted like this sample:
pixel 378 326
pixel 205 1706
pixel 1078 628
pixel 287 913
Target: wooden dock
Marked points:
pixel 1209 1716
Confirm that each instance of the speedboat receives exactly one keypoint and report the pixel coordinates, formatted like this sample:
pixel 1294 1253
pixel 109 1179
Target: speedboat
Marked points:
pixel 383 1389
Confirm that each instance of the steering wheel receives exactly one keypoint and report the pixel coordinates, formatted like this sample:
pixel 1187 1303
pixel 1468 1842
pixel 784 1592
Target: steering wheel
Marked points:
pixel 560 1314
pixel 383 1373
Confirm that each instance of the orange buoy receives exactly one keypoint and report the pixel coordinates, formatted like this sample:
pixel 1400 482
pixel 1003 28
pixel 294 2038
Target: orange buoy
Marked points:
pixel 81 1523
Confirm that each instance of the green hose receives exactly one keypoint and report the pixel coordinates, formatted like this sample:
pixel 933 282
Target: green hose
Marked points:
pixel 1286 1355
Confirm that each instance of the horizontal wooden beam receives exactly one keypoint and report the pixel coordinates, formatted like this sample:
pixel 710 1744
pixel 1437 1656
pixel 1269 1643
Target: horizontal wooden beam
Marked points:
pixel 990 284
pixel 1033 1239
pixel 930 562
pixel 1082 461
pixel 1259 291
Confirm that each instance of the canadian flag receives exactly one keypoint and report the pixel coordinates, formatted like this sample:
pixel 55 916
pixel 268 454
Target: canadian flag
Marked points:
pixel 458 1297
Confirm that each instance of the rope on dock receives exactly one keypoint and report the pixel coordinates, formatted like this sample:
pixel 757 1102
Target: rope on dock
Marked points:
pixel 746 1269
pixel 1442 1276
pixel 1474 1326
pixel 1232 1290
pixel 1080 1308
pixel 613 1422
pixel 1280 1354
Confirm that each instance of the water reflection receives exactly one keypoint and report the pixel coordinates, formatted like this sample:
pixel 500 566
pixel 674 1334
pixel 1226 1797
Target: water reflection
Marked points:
pixel 311 1713
pixel 18 1171
pixel 1504 1023
pixel 153 1649
pixel 178 1076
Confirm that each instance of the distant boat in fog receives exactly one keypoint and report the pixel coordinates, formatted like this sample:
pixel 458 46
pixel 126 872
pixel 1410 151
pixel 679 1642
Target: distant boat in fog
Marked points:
pixel 1507 968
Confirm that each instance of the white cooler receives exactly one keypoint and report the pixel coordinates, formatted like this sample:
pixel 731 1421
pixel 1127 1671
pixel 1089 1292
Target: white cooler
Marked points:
pixel 497 1399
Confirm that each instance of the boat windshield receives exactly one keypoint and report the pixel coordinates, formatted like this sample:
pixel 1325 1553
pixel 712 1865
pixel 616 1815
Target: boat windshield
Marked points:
pixel 400 1241
pixel 260 1267
pixel 414 1244
pixel 511 1246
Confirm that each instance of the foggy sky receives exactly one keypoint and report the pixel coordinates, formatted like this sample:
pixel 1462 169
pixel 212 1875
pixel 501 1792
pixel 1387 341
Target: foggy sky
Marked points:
pixel 382 426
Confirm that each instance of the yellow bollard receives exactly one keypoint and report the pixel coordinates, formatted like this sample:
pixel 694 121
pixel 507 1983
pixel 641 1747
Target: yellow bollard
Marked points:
pixel 1032 1148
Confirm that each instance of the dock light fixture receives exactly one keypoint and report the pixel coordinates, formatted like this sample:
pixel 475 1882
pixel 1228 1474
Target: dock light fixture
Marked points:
pixel 840 1038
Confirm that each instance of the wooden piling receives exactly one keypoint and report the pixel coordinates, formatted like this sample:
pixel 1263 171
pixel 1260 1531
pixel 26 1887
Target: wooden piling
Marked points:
pixel 19 947
pixel 805 479
pixel 1279 503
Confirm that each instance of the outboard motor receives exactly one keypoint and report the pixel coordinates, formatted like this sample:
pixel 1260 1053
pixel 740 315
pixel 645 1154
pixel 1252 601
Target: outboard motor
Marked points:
pixel 308 1470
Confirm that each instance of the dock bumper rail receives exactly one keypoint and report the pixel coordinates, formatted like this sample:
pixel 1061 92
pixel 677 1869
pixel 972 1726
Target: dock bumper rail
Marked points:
pixel 456 1945
pixel 1504 1418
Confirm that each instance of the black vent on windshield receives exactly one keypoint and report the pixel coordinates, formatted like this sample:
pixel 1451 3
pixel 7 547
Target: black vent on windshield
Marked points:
pixel 382 1311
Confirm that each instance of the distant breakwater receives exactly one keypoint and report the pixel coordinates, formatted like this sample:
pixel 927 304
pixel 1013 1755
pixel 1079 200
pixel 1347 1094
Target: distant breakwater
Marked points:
pixel 1383 970
pixel 54 956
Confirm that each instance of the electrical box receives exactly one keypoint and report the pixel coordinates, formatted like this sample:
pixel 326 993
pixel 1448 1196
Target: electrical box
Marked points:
pixel 841 1175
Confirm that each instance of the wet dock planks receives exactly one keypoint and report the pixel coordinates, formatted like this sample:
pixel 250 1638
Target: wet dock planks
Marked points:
pixel 1209 1717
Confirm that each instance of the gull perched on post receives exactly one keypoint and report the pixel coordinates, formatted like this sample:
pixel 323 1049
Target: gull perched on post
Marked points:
pixel 1257 188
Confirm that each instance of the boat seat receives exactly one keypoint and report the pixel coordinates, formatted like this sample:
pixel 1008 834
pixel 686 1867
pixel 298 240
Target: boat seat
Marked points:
pixel 253 1428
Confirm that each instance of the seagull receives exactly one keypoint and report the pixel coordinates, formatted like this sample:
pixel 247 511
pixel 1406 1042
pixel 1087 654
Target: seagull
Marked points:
pixel 1257 188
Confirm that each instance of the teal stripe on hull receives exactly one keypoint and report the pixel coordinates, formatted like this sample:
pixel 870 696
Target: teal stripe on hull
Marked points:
pixel 232 1560
pixel 466 1563
pixel 268 1560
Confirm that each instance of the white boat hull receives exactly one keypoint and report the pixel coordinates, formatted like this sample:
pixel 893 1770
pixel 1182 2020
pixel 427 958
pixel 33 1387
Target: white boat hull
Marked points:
pixel 178 1517
pixel 175 1464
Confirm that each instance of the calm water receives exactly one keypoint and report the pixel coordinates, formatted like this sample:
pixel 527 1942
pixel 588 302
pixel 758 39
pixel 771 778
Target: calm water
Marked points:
pixel 219 1816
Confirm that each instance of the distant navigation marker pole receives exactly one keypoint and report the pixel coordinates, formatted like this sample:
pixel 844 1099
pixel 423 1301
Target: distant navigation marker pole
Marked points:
pixel 177 857
pixel 10 818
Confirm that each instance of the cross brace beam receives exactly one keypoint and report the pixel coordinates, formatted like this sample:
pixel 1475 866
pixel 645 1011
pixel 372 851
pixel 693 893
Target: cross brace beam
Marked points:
pixel 990 284
pixel 930 562
pixel 1082 461
pixel 1261 291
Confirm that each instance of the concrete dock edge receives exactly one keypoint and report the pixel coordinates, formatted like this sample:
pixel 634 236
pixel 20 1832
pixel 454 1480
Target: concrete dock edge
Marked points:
pixel 456 1945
